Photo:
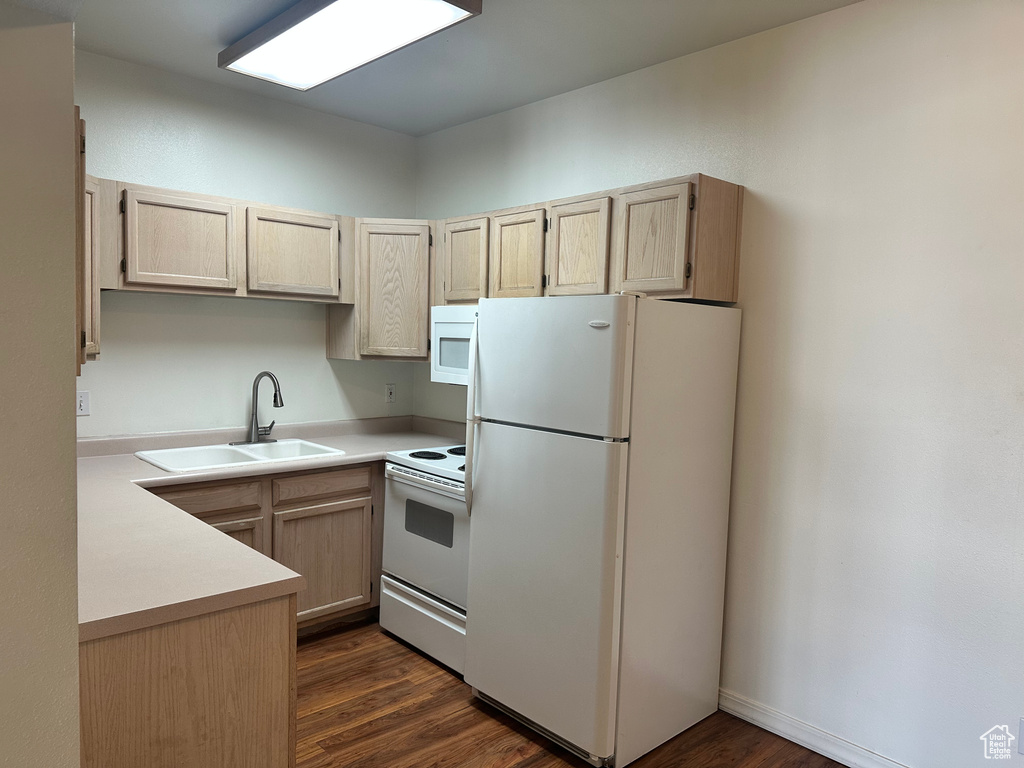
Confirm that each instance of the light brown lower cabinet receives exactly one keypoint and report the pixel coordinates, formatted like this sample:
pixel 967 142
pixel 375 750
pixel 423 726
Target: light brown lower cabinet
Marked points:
pixel 210 691
pixel 319 523
pixel 236 507
pixel 248 531
pixel 329 544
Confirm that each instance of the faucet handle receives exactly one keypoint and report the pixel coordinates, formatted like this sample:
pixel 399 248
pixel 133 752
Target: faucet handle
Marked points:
pixel 266 430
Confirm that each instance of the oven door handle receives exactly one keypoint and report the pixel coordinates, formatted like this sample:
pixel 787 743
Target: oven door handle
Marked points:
pixel 420 482
pixel 471 416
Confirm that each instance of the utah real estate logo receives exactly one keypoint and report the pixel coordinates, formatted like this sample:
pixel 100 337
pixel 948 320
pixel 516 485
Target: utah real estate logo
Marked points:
pixel 997 743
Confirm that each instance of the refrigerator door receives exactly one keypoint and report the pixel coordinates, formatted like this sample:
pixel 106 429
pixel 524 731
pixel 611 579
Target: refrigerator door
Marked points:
pixel 545 580
pixel 560 363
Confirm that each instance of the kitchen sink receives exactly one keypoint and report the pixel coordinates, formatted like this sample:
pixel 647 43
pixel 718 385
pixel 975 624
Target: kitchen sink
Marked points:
pixel 220 456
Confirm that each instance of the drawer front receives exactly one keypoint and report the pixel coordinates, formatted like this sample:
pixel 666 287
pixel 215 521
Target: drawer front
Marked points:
pixel 204 501
pixel 427 624
pixel 319 485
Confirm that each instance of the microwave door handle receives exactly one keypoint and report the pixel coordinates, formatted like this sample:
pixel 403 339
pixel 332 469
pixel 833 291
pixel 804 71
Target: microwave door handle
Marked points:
pixel 471 417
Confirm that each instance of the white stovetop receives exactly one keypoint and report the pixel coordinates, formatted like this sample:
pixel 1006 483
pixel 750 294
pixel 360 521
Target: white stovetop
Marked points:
pixel 451 466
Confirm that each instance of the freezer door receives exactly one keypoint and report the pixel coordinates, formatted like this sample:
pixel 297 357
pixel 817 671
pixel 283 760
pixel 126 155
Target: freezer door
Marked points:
pixel 557 362
pixel 545 580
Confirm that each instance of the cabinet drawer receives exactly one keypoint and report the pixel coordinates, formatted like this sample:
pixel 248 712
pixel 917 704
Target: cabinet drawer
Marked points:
pixel 208 500
pixel 288 490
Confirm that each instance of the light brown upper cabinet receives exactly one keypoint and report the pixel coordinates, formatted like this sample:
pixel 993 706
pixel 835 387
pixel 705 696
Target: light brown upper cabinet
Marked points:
pixel 465 259
pixel 289 252
pixel 577 254
pixel 517 254
pixel 81 233
pixel 180 240
pixel 91 292
pixel 652 230
pixel 678 239
pixel 393 273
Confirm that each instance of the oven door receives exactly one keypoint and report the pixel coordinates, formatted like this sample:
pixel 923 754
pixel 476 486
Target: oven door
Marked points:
pixel 426 533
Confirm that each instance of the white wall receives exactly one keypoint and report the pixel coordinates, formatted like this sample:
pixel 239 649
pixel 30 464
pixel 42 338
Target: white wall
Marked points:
pixel 152 127
pixel 38 550
pixel 438 401
pixel 180 363
pixel 876 577
pixel 187 363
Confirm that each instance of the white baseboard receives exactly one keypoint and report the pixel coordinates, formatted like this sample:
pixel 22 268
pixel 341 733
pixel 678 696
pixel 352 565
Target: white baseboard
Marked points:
pixel 802 733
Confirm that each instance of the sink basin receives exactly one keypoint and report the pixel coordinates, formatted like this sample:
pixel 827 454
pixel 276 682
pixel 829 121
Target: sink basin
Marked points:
pixel 220 456
pixel 289 449
pixel 199 457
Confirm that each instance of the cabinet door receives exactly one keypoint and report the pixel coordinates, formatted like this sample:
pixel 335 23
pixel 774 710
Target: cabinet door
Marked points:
pixel 179 240
pixel 248 531
pixel 291 252
pixel 81 233
pixel 578 248
pixel 329 544
pixel 93 230
pixel 517 254
pixel 394 276
pixel 465 259
pixel 652 233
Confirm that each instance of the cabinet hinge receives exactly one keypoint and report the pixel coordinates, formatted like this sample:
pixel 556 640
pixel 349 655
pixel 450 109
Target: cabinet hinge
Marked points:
pixel 545 225
pixel 372 510
pixel 693 202
pixel 446 237
pixel 83 339
pixel 430 239
pixel 689 270
pixel 339 234
pixel 543 281
pixel 428 345
pixel 124 265
pixel 339 283
pixel 83 145
pixel 122 205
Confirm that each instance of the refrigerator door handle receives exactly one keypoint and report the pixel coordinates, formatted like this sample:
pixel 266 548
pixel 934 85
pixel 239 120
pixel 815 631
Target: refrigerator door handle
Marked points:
pixel 471 417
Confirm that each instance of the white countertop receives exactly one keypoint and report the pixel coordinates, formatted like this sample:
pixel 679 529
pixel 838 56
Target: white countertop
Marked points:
pixel 143 561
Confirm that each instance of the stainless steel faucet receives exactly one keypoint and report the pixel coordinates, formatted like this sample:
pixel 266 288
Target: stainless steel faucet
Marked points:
pixel 258 434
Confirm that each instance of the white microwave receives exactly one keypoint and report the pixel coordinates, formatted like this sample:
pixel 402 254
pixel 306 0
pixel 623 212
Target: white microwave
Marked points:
pixel 450 330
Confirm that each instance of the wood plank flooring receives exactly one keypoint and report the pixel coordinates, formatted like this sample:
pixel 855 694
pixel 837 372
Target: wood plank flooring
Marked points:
pixel 366 700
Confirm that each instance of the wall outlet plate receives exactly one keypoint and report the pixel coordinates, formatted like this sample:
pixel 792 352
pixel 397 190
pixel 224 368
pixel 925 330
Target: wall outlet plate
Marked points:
pixel 389 393
pixel 82 404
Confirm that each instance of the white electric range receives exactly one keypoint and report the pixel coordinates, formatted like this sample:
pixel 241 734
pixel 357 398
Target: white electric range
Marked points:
pixel 426 551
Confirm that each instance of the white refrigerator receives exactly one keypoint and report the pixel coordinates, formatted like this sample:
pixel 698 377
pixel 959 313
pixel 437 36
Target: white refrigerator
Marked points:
pixel 599 451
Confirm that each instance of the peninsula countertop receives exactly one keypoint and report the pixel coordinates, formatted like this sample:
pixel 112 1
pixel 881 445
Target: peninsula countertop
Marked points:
pixel 143 561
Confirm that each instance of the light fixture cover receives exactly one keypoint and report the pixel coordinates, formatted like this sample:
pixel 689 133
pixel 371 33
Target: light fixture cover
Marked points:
pixel 317 40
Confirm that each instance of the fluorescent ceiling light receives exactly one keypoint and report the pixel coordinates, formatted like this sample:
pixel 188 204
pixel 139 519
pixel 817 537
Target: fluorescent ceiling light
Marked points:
pixel 317 40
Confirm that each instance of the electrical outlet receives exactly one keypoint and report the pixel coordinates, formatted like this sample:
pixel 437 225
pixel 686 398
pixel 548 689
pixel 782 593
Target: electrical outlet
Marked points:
pixel 389 393
pixel 82 404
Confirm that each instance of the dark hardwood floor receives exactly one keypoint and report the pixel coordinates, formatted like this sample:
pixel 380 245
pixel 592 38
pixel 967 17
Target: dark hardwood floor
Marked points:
pixel 365 700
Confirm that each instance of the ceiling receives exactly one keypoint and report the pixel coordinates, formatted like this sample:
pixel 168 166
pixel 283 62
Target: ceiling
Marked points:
pixel 514 53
